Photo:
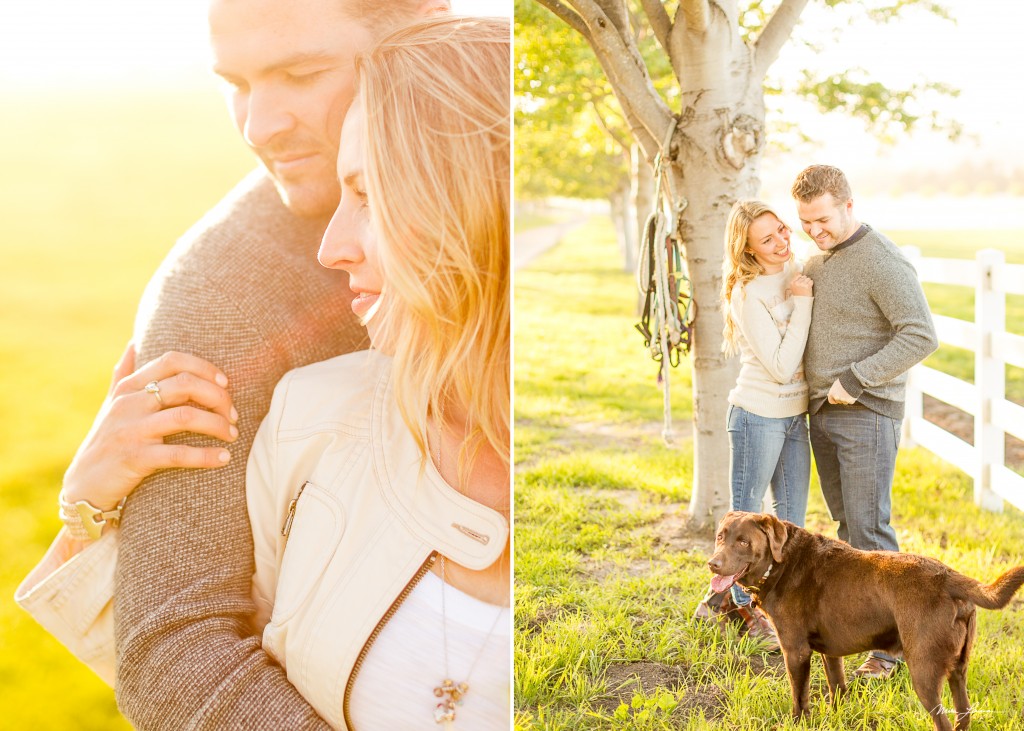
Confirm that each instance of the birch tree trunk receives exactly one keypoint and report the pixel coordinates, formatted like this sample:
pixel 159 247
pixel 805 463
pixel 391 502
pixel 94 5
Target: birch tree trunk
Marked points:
pixel 718 144
pixel 642 188
pixel 620 209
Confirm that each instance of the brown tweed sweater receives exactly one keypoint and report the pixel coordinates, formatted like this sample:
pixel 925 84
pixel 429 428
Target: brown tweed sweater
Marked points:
pixel 242 289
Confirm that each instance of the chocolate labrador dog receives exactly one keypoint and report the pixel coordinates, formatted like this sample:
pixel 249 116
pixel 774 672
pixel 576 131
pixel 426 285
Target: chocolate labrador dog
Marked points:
pixel 825 596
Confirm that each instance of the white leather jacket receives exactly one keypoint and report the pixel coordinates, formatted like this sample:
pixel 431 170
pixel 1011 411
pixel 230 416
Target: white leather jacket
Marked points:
pixel 335 468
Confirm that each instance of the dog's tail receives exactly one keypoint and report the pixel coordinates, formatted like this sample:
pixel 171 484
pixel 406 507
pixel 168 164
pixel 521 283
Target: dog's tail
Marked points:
pixel 993 596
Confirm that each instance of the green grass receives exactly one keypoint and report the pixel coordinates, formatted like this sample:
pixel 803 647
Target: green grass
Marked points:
pixel 608 572
pixel 96 188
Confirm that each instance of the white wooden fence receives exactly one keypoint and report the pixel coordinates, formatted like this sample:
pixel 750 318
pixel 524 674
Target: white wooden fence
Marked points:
pixel 994 348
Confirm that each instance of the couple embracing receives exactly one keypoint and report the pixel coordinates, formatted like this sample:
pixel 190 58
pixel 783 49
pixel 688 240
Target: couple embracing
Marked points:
pixel 343 562
pixel 830 343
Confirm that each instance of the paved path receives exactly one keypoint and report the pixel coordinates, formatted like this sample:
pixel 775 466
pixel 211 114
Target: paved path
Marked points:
pixel 531 243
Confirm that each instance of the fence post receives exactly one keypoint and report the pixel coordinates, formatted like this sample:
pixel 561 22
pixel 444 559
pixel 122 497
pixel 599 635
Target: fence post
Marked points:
pixel 989 379
pixel 914 399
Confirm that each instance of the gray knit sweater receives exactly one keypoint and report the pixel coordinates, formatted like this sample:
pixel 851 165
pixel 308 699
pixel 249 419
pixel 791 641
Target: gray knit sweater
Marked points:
pixel 242 289
pixel 870 323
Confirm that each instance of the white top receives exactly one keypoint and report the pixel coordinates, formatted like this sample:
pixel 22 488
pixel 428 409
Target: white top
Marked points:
pixel 772 328
pixel 388 696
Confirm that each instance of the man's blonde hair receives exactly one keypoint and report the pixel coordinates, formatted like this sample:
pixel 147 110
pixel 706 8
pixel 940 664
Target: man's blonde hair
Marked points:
pixel 436 95
pixel 379 17
pixel 739 265
pixel 817 180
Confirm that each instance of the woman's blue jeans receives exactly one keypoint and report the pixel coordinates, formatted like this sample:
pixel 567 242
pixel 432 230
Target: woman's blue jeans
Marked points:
pixel 764 451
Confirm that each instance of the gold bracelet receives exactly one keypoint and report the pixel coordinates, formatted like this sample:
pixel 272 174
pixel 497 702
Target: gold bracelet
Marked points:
pixel 85 521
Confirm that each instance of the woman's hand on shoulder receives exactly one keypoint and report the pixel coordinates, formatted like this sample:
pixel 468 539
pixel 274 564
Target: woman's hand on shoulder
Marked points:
pixel 802 286
pixel 126 442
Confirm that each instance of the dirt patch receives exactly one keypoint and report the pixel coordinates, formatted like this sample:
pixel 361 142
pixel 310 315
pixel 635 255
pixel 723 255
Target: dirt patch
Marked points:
pixel 598 571
pixel 675 532
pixel 542 617
pixel 632 676
pixel 597 435
pixel 625 679
pixel 775 661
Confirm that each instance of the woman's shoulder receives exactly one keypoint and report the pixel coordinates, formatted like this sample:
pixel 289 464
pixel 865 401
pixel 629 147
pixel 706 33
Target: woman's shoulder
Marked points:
pixel 339 389
pixel 764 285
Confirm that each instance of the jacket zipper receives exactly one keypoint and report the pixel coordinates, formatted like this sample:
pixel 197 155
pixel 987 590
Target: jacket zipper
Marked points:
pixel 377 630
pixel 286 529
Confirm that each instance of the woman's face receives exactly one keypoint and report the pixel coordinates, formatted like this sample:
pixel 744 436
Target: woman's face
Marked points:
pixel 768 241
pixel 350 242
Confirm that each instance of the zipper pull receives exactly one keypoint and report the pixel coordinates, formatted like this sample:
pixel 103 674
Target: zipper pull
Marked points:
pixel 286 529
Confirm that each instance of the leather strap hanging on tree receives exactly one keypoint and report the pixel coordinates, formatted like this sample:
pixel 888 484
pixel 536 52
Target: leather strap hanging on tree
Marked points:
pixel 666 322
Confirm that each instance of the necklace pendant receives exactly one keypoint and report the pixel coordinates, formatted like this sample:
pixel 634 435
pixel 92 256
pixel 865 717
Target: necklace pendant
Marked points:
pixel 451 694
pixel 444 713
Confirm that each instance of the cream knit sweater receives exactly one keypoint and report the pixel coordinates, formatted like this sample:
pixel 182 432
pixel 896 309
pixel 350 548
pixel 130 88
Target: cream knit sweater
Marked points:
pixel 772 328
pixel 871 323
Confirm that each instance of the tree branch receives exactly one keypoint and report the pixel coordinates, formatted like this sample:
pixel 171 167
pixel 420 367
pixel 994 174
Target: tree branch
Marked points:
pixel 775 35
pixel 616 12
pixel 569 16
pixel 697 14
pixel 621 141
pixel 661 24
pixel 644 108
pixel 599 101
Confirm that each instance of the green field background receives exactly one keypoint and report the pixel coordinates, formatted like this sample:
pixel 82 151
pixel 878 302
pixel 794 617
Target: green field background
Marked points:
pixel 95 188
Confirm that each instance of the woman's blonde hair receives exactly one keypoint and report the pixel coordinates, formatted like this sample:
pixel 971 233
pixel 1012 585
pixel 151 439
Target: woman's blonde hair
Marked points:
pixel 739 265
pixel 436 95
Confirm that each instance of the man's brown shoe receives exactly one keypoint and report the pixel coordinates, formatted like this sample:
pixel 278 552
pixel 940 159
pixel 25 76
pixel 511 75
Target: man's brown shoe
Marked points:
pixel 876 668
pixel 759 628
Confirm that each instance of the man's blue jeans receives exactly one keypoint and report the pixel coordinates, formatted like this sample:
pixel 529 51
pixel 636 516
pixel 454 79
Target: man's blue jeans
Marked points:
pixel 855 452
pixel 764 451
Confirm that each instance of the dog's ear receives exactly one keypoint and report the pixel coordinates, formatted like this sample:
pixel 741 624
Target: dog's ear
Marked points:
pixel 777 534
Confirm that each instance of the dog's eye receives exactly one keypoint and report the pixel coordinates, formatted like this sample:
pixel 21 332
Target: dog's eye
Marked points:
pixel 743 542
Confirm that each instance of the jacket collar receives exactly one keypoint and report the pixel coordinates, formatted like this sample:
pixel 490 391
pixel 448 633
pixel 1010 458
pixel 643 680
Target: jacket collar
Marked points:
pixel 460 528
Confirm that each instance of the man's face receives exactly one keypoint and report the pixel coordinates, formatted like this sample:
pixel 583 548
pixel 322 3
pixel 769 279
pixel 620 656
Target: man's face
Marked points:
pixel 828 222
pixel 289 70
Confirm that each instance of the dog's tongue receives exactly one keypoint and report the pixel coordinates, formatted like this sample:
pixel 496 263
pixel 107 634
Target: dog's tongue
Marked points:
pixel 721 583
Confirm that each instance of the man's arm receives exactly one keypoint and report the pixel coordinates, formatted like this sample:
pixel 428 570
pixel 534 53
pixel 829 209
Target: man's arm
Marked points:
pixel 186 655
pixel 898 294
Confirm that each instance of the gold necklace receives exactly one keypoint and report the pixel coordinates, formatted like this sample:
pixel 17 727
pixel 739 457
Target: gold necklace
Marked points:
pixel 450 692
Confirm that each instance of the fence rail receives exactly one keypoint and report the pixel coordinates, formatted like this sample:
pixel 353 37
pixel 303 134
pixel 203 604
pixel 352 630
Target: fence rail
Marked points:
pixel 985 399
